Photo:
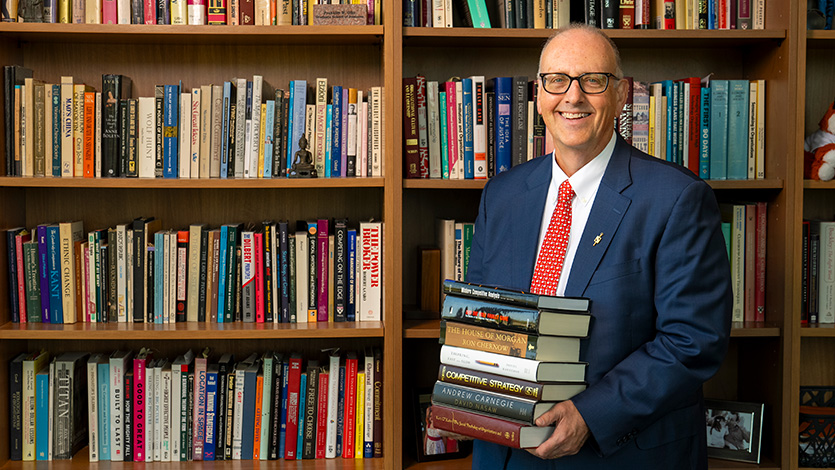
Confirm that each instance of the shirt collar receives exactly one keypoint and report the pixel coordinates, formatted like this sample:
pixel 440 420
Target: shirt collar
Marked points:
pixel 586 180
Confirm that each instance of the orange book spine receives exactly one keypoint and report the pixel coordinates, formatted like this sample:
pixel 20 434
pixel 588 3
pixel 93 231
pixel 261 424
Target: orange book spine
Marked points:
pixel 89 134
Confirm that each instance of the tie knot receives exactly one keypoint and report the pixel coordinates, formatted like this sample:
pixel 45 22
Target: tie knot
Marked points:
pixel 566 192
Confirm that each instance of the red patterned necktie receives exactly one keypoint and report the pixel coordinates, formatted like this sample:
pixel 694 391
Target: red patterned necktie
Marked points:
pixel 549 263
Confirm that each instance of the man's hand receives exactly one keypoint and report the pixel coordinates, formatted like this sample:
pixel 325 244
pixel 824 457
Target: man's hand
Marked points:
pixel 569 436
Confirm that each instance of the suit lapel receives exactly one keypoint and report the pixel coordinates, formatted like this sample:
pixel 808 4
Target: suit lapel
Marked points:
pixel 608 211
pixel 527 219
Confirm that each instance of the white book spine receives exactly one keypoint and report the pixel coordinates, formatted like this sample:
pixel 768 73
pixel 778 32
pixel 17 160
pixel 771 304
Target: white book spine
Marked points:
pixel 147 136
pixel 738 262
pixel 185 135
pixel 826 273
pixel 255 131
pixel 479 128
pixel 194 160
pixel 67 144
pixel 158 412
pixel 301 273
pixel 117 418
pixel 123 11
pixel 51 407
pixel 214 136
pixel 237 423
pixel 166 414
pixel 265 410
pixel 760 128
pixel 333 402
pixel 524 369
pixel 371 281
pixel 368 415
pixel 205 132
pixel 176 395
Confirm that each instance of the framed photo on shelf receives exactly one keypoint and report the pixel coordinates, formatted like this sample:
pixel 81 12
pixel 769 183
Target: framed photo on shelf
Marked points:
pixel 734 430
pixel 428 445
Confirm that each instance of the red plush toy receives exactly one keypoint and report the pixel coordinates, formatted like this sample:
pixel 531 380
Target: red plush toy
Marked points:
pixel 819 149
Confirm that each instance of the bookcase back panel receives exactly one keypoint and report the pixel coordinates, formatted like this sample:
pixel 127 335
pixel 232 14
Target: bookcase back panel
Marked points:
pixel 177 208
pixel 817 360
pixel 441 63
pixel 819 204
pixel 156 64
pixel 820 90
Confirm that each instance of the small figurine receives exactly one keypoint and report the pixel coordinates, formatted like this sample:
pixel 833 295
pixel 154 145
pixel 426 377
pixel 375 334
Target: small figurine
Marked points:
pixel 302 162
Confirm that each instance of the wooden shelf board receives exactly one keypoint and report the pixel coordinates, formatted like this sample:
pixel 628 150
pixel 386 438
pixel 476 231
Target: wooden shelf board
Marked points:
pixel 188 330
pixel 466 462
pixel 430 329
pixel 176 183
pixel 192 34
pixel 479 184
pixel 490 37
pixel 818 330
pixel 81 460
pixel 816 184
pixel 818 39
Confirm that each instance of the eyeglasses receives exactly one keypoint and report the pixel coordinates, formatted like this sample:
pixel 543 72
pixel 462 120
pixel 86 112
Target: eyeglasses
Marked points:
pixel 592 83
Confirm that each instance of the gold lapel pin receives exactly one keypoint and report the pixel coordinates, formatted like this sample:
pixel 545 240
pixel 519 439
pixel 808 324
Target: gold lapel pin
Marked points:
pixel 597 239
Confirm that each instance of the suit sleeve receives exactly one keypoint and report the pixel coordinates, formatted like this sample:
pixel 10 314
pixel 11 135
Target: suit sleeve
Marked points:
pixel 692 305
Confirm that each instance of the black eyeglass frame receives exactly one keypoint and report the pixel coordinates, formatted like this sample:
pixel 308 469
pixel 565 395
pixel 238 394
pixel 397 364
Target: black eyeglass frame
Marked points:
pixel 579 82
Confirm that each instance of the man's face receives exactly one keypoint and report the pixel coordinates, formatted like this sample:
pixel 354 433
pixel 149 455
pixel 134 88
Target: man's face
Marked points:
pixel 577 121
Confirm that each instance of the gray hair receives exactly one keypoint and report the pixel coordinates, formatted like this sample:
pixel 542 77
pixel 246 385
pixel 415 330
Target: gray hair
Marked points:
pixel 590 29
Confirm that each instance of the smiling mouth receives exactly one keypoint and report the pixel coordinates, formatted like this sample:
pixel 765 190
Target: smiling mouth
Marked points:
pixel 574 115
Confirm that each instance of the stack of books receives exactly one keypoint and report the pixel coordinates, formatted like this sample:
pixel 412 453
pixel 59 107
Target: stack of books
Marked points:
pixel 507 358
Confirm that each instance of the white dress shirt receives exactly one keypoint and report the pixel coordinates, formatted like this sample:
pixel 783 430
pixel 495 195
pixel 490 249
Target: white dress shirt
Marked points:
pixel 584 183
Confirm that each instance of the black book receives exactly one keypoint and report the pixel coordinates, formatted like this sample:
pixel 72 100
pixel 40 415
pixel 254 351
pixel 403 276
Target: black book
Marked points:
pixel 340 270
pixel 190 422
pixel 149 301
pixel 114 89
pixel 143 227
pixel 124 134
pixel 516 297
pixel 137 12
pixel 224 366
pixel 163 12
pixel 309 423
pixel 592 12
pixel 269 271
pixel 273 446
pixel 518 121
pixel 70 414
pixel 610 14
pixel 12 75
pixel 231 293
pixel 230 151
pixel 128 417
pixel 490 118
pixel 16 406
pixel 283 272
pixel 285 141
pixel 278 135
pixel 238 294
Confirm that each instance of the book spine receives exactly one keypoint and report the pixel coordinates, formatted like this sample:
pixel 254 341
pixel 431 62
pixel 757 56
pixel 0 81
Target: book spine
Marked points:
pixel 411 151
pixel 322 285
pixel 490 382
pixel 322 415
pixel 467 125
pixel 248 276
pixel 485 428
pixel 760 261
pixel 139 398
pixel 292 425
pixel 478 401
pixel 258 271
pixel 371 271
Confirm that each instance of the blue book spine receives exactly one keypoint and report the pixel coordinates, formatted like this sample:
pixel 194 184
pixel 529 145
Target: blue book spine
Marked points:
pixel 221 273
pixel 503 88
pixel 56 131
pixel 299 104
pixel 302 401
pixel 343 147
pixel 669 93
pixel 56 309
pixel 269 129
pixel 211 415
pixel 340 410
pixel 444 135
pixel 282 430
pixel 284 271
pixel 328 140
pixel 170 139
pixel 336 133
pixel 159 275
pixel 42 415
pixel 224 132
pixel 104 410
pixel 351 304
pixel 43 272
pixel 711 15
pixel 704 135
pixel 737 129
pixel 289 136
pixel 719 129
pixel 467 117
pixel 247 443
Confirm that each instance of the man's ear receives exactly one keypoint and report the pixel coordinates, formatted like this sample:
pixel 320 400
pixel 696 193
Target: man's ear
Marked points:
pixel 623 92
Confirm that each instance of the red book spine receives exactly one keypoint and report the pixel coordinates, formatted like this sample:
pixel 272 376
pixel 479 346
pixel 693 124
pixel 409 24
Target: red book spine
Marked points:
pixel 259 276
pixel 21 277
pixel 139 410
pixel 627 14
pixel 411 152
pixel 759 262
pixel 150 12
pixel 670 14
pixel 247 11
pixel 750 255
pixel 322 415
pixel 322 259
pixel 350 406
pixel 482 427
pixel 293 383
pixel 108 12
pixel 423 149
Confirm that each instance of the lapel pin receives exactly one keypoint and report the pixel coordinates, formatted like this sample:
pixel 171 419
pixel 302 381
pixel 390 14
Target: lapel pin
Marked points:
pixel 597 239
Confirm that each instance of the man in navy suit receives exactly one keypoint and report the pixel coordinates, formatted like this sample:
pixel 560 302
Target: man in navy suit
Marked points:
pixel 645 245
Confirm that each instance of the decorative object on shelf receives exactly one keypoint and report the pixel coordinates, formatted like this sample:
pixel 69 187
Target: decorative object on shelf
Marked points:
pixel 303 162
pixel 340 14
pixel 734 430
pixel 819 149
pixel 429 446
pixel 817 416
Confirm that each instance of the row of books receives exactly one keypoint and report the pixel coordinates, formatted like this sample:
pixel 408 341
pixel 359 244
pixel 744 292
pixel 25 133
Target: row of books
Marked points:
pixel 469 128
pixel 177 12
pixel 454 239
pixel 716 128
pixel 128 406
pixel 507 358
pixel 744 229
pixel 605 14
pixel 818 263
pixel 317 271
pixel 240 129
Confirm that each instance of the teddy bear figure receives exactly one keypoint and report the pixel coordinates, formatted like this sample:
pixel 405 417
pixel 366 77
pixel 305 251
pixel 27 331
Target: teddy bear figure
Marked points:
pixel 819 149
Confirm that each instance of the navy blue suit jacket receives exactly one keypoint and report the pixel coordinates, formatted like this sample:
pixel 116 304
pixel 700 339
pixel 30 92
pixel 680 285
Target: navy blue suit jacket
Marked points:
pixel 659 284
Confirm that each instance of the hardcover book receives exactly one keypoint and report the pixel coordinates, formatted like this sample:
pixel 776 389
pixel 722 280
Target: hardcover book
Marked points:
pixel 546 391
pixel 526 369
pixel 489 403
pixel 70 414
pixel 490 429
pixel 529 346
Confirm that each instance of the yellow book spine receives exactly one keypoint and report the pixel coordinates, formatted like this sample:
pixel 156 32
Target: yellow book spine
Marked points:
pixel 262 134
pixel 359 434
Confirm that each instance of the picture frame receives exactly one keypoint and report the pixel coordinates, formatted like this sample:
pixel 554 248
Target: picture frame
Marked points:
pixel 734 430
pixel 429 448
